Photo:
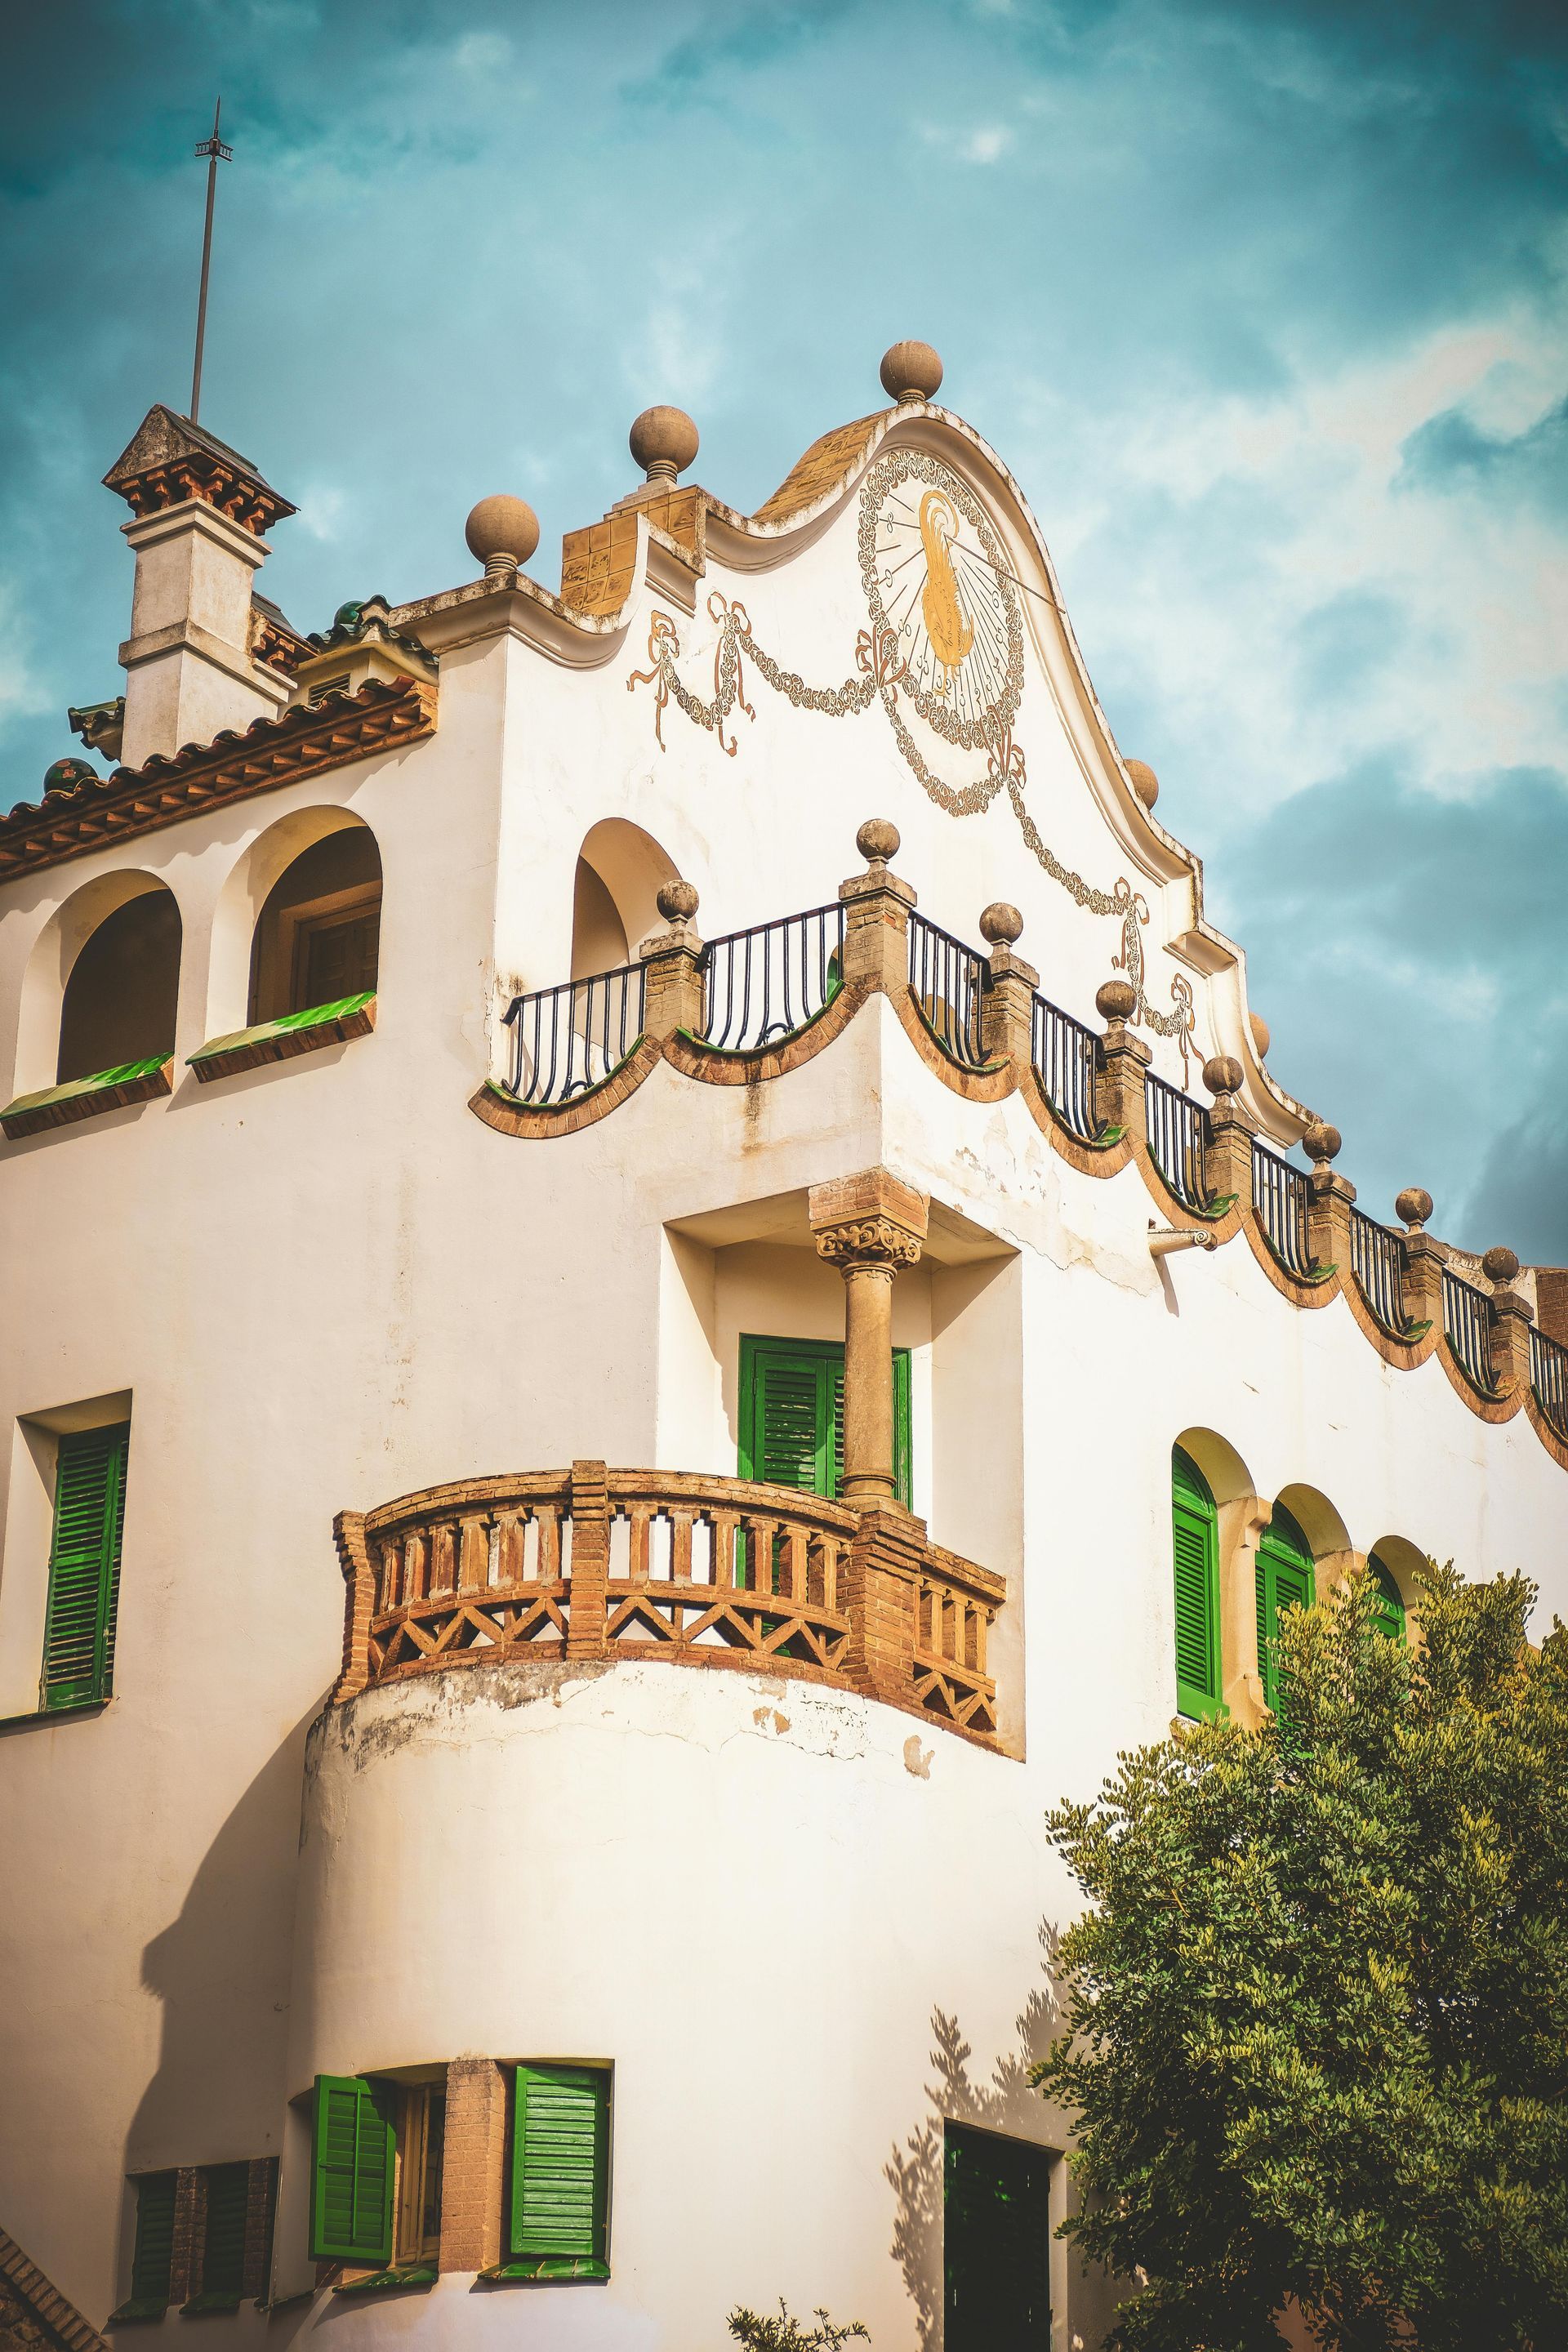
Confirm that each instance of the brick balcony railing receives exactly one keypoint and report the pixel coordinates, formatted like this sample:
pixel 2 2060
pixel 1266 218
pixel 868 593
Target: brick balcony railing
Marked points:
pixel 590 1564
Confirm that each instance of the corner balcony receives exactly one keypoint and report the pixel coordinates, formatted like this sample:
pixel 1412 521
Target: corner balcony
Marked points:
pixel 590 1565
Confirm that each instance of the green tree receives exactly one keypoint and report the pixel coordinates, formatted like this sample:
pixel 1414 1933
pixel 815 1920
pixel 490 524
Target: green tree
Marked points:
pixel 785 2333
pixel 1316 2037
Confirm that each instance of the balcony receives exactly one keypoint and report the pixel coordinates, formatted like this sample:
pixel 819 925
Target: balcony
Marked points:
pixel 591 1565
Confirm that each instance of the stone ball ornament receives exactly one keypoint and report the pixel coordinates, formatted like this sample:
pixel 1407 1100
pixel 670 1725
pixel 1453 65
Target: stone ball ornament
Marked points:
pixel 1116 999
pixel 1143 780
pixel 1322 1141
pixel 912 373
pixel 1000 924
pixel 63 775
pixel 1414 1205
pixel 1222 1074
pixel 664 441
pixel 1500 1263
pixel 878 840
pixel 1261 1035
pixel 677 901
pixel 501 532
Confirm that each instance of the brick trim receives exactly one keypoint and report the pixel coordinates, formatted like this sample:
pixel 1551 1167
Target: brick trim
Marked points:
pixel 52 2310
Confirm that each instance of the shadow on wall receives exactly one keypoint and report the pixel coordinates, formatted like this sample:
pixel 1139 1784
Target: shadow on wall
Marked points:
pixel 222 1972
pixel 1006 2103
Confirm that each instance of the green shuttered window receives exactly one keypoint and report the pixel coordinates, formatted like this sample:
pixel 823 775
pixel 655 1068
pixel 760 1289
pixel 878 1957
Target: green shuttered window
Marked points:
pixel 153 2263
pixel 223 2238
pixel 84 1566
pixel 559 2172
pixel 792 1415
pixel 996 2235
pixel 1284 1578
pixel 1195 1547
pixel 352 2182
pixel 1390 1601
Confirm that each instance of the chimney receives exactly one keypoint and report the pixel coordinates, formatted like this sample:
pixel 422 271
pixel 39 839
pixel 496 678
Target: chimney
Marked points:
pixel 198 512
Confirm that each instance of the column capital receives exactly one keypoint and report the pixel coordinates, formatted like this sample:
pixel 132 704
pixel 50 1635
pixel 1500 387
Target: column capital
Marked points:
pixel 868 1219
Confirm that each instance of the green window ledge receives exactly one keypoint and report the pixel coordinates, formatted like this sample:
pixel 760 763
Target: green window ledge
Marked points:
pixel 548 2266
pixel 128 1082
pixel 146 2306
pixel 280 1040
pixel 199 2303
pixel 403 2275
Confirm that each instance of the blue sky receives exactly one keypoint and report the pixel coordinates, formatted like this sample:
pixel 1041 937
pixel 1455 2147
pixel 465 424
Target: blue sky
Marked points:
pixel 1263 303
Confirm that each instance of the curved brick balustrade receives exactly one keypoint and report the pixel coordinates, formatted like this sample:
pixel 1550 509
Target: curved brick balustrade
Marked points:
pixel 590 1563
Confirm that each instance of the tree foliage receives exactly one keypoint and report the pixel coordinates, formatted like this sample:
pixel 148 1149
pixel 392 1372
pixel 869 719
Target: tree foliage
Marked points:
pixel 785 2333
pixel 1317 2028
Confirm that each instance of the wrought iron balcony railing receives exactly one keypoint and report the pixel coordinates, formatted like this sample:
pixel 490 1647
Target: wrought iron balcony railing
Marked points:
pixel 1549 1378
pixel 1281 1198
pixel 1378 1263
pixel 763 984
pixel 948 980
pixel 1466 1327
pixel 567 1039
pixel 1065 1057
pixel 1178 1131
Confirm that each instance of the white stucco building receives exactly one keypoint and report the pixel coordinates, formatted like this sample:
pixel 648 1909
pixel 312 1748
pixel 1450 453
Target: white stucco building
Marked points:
pixel 524 1763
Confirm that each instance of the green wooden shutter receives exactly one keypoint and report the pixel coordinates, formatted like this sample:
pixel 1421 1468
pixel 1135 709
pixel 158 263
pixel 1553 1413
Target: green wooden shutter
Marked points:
pixel 223 2237
pixel 1390 1601
pixel 151 2264
pixel 997 2236
pixel 561 2170
pixel 1195 1549
pixel 84 1566
pixel 350 2197
pixel 792 1415
pixel 1285 1577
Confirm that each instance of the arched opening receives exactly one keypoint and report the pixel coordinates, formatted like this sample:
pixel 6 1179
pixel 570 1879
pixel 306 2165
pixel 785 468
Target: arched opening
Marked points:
pixel 1286 1578
pixel 1395 1567
pixel 620 870
pixel 1194 1553
pixel 318 937
pixel 121 992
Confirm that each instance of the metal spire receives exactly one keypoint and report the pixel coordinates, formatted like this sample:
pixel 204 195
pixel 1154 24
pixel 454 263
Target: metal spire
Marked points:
pixel 216 153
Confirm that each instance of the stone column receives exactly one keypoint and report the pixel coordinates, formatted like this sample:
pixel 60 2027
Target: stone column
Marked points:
pixel 1328 1210
pixel 1227 1170
pixel 671 961
pixel 1119 1085
pixel 1511 1319
pixel 868 1226
pixel 1007 1009
pixel 1423 1299
pixel 877 913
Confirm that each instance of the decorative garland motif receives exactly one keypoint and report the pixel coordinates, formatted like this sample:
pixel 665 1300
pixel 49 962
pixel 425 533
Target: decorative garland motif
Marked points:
pixel 884 669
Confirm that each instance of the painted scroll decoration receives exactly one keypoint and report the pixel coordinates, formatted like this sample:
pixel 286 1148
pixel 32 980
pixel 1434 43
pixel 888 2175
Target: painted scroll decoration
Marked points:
pixel 943 656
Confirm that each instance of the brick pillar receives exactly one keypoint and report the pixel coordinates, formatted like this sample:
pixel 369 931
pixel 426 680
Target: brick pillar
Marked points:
pixel 1511 1319
pixel 359 1603
pixel 1329 1209
pixel 671 961
pixel 877 914
pixel 1119 1083
pixel 190 2227
pixel 260 2204
pixel 1423 1285
pixel 879 1597
pixel 1007 1008
pixel 868 1226
pixel 1227 1156
pixel 590 1559
pixel 471 2176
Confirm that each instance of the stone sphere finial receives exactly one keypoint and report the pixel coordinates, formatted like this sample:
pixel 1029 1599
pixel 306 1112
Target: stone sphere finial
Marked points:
pixel 1116 999
pixel 1222 1074
pixel 1000 923
pixel 1415 1206
pixel 912 373
pixel 878 840
pixel 502 533
pixel 1145 782
pixel 63 775
pixel 1500 1265
pixel 677 901
pixel 1261 1034
pixel 663 440
pixel 1322 1141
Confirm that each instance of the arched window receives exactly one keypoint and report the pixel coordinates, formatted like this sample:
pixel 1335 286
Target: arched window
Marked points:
pixel 1286 1577
pixel 599 942
pixel 1390 1600
pixel 119 998
pixel 318 937
pixel 1195 1547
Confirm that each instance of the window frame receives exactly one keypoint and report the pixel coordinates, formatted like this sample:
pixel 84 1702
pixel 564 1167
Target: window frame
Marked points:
pixel 61 1694
pixel 756 1346
pixel 1193 1506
